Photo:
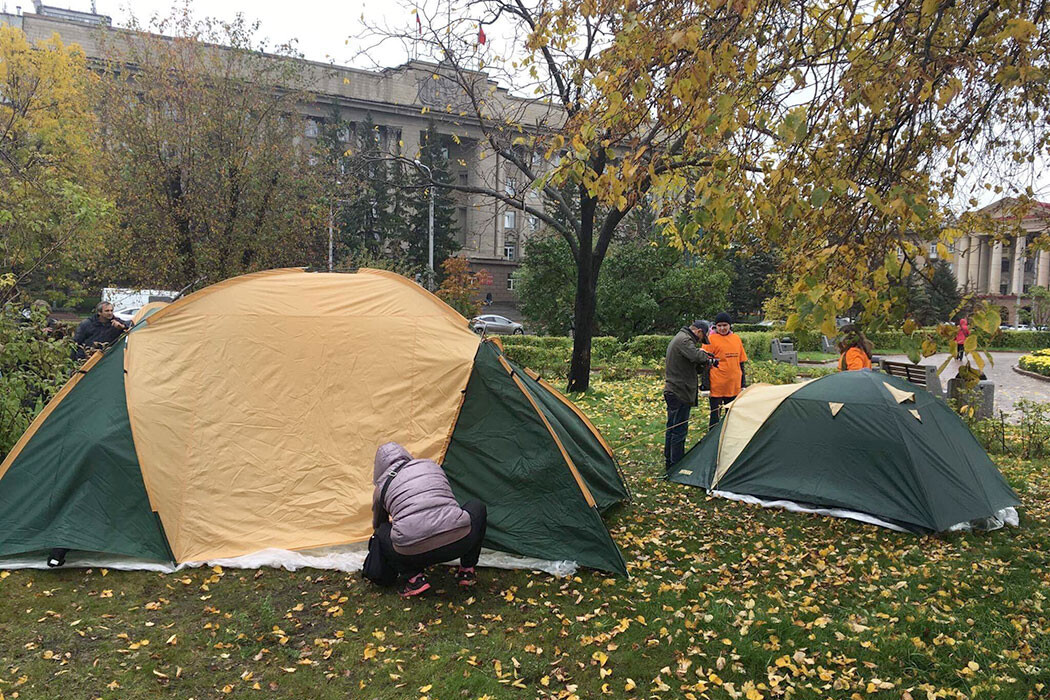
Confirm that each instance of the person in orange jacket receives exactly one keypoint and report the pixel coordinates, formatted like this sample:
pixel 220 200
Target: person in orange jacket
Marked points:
pixel 728 377
pixel 855 349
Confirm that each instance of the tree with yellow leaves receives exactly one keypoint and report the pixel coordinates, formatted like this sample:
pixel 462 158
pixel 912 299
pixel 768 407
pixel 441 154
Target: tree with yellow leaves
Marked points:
pixel 207 161
pixel 835 131
pixel 52 210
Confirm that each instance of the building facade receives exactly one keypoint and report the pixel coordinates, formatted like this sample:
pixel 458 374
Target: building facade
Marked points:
pixel 402 103
pixel 1001 268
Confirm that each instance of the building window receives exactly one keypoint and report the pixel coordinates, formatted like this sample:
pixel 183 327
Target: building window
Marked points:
pixel 463 179
pixel 312 129
pixel 510 186
pixel 509 249
pixel 461 232
pixel 510 282
pixel 1006 265
pixel 933 251
pixel 534 223
pixel 509 219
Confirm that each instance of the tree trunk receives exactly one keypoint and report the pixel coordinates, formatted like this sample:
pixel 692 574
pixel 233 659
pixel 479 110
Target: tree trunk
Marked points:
pixel 583 322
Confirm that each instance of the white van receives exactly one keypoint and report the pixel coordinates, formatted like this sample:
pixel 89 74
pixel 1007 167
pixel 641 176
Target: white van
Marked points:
pixel 128 301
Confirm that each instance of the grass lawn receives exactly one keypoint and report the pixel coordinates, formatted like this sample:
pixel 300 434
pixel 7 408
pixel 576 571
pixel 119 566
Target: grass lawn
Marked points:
pixel 813 356
pixel 725 600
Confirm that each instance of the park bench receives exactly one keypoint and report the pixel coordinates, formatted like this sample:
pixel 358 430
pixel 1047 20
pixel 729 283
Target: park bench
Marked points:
pixel 924 376
pixel 783 350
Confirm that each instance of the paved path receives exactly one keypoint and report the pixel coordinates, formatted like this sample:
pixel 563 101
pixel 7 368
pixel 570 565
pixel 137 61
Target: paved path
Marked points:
pixel 1009 385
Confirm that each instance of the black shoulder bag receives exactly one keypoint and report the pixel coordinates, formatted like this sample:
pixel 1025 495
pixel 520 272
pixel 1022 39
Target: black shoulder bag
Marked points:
pixel 376 569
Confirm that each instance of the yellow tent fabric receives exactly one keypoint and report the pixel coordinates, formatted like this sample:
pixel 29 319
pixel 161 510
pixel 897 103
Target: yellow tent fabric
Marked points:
pixel 256 404
pixel 745 416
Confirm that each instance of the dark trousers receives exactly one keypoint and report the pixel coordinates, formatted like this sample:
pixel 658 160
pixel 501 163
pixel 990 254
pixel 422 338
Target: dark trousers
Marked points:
pixel 467 549
pixel 716 403
pixel 677 429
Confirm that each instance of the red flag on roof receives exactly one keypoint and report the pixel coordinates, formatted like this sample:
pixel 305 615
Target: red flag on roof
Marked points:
pixel 481 34
pixel 419 24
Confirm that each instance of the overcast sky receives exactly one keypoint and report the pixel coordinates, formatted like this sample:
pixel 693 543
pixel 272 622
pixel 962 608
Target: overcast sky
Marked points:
pixel 321 29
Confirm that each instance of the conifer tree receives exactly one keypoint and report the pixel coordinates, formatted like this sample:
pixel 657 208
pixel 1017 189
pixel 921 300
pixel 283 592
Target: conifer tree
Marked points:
pixel 434 155
pixel 371 222
pixel 944 291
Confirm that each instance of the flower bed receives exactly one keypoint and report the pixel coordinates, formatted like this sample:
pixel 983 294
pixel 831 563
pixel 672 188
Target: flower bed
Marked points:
pixel 1038 362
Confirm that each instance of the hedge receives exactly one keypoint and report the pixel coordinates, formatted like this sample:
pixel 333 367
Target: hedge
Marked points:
pixel 654 347
pixel 551 354
pixel 549 361
pixel 1021 340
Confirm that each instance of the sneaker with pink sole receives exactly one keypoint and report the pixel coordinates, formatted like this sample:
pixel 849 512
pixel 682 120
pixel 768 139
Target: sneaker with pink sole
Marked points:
pixel 417 585
pixel 466 576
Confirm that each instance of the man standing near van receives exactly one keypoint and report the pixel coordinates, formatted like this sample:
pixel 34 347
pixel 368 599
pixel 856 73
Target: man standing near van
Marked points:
pixel 98 331
pixel 727 377
pixel 685 360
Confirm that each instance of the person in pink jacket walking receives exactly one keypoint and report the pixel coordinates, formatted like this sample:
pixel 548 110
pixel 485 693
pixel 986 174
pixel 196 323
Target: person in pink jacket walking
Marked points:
pixel 418 521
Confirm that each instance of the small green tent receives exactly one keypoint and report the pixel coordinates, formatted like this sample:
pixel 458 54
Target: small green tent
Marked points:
pixel 200 436
pixel 862 444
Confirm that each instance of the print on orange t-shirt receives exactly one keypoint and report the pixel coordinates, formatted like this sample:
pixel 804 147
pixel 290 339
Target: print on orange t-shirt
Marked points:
pixel 855 358
pixel 726 378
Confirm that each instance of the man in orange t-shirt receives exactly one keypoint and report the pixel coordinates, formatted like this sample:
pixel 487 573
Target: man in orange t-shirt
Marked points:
pixel 728 378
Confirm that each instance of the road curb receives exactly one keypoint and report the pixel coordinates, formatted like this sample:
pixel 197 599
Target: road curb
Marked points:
pixel 1033 375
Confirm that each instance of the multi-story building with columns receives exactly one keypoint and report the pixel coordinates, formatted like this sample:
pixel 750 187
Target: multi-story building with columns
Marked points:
pixel 1000 267
pixel 402 102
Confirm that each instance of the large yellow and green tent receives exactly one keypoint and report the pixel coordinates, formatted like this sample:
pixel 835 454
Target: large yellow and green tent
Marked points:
pixel 245 417
pixel 862 445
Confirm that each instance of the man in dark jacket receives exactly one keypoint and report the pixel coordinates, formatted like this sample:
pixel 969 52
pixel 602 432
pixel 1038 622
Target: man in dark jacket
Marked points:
pixel 98 331
pixel 685 359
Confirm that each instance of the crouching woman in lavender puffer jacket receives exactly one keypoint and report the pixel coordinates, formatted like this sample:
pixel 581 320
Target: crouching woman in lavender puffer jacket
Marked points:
pixel 419 523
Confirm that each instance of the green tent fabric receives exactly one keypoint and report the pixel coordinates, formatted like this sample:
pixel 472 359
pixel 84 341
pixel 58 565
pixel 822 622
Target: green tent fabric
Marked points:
pixel 501 453
pixel 96 502
pixel 599 470
pixel 858 441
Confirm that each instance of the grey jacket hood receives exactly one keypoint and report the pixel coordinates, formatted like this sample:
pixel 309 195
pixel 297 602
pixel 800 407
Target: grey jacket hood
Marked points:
pixel 388 456
pixel 419 503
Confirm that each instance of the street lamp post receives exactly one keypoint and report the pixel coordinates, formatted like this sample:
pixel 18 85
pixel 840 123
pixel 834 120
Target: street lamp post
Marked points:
pixel 430 226
pixel 331 228
pixel 331 215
